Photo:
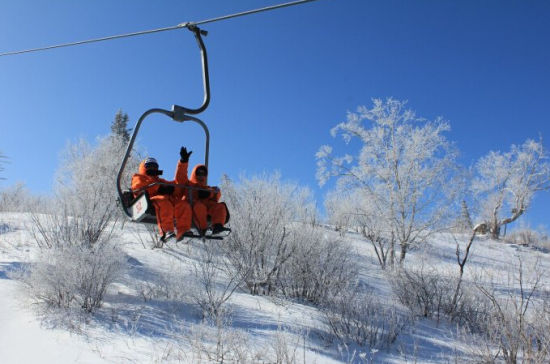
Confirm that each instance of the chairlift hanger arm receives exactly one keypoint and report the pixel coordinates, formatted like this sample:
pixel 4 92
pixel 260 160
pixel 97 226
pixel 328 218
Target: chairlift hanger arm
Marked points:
pixel 205 74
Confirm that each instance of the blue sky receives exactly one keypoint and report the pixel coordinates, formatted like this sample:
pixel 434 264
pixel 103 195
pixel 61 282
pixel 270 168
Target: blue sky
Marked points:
pixel 280 80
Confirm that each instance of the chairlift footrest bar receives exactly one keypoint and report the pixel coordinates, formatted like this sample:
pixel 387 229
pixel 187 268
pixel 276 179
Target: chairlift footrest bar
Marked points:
pixel 207 237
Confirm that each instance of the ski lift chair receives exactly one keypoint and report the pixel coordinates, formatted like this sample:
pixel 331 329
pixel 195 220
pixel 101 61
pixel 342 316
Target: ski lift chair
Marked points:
pixel 136 205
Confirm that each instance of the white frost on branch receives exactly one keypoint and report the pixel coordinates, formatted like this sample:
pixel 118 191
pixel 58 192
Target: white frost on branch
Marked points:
pixel 329 166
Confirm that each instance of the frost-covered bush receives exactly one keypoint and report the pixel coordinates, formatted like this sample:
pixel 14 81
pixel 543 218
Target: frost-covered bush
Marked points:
pixel 75 276
pixel 319 267
pixel 77 262
pixel 86 184
pixel 338 212
pixel 18 198
pixel 221 343
pixel 423 290
pixel 429 293
pixel 171 285
pixel 529 237
pixel 68 227
pixel 523 237
pixel 358 316
pixel 470 310
pixel 519 320
pixel 275 245
pixel 263 210
pixel 213 282
pixel 541 330
pixel 84 210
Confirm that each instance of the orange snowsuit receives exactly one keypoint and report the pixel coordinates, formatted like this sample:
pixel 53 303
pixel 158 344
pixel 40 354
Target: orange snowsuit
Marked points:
pixel 167 207
pixel 203 207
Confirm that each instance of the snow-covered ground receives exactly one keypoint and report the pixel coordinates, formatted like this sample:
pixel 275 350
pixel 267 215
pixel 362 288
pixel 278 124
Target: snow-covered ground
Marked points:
pixel 135 326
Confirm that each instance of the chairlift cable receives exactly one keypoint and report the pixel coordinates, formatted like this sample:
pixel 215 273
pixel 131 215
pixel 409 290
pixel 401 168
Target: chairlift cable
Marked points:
pixel 127 35
pixel 249 12
pixel 158 30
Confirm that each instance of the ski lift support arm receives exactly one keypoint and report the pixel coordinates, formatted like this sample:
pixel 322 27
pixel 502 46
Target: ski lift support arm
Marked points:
pixel 205 74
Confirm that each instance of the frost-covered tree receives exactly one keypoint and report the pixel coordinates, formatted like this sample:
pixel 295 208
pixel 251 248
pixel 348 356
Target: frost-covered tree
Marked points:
pixel 403 168
pixel 86 183
pixel 119 127
pixel 506 183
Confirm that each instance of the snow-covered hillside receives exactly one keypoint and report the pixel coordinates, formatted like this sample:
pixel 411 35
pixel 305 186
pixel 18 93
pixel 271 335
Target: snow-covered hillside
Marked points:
pixel 148 316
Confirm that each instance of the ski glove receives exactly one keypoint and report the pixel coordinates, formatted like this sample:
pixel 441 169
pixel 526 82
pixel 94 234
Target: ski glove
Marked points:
pixel 184 155
pixel 165 190
pixel 204 194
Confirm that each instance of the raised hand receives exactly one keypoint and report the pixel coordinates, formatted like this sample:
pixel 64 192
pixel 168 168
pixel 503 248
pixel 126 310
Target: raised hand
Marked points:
pixel 184 155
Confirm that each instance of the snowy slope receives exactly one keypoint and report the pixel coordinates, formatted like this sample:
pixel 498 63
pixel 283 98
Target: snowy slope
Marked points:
pixel 133 327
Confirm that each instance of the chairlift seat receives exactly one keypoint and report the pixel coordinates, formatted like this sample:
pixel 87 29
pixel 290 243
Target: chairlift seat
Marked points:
pixel 142 210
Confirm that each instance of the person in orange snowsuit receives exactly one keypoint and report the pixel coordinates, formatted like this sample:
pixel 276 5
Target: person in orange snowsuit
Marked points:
pixel 171 210
pixel 205 200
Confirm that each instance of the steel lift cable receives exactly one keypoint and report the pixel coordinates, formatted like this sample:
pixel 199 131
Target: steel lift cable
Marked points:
pixel 158 30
